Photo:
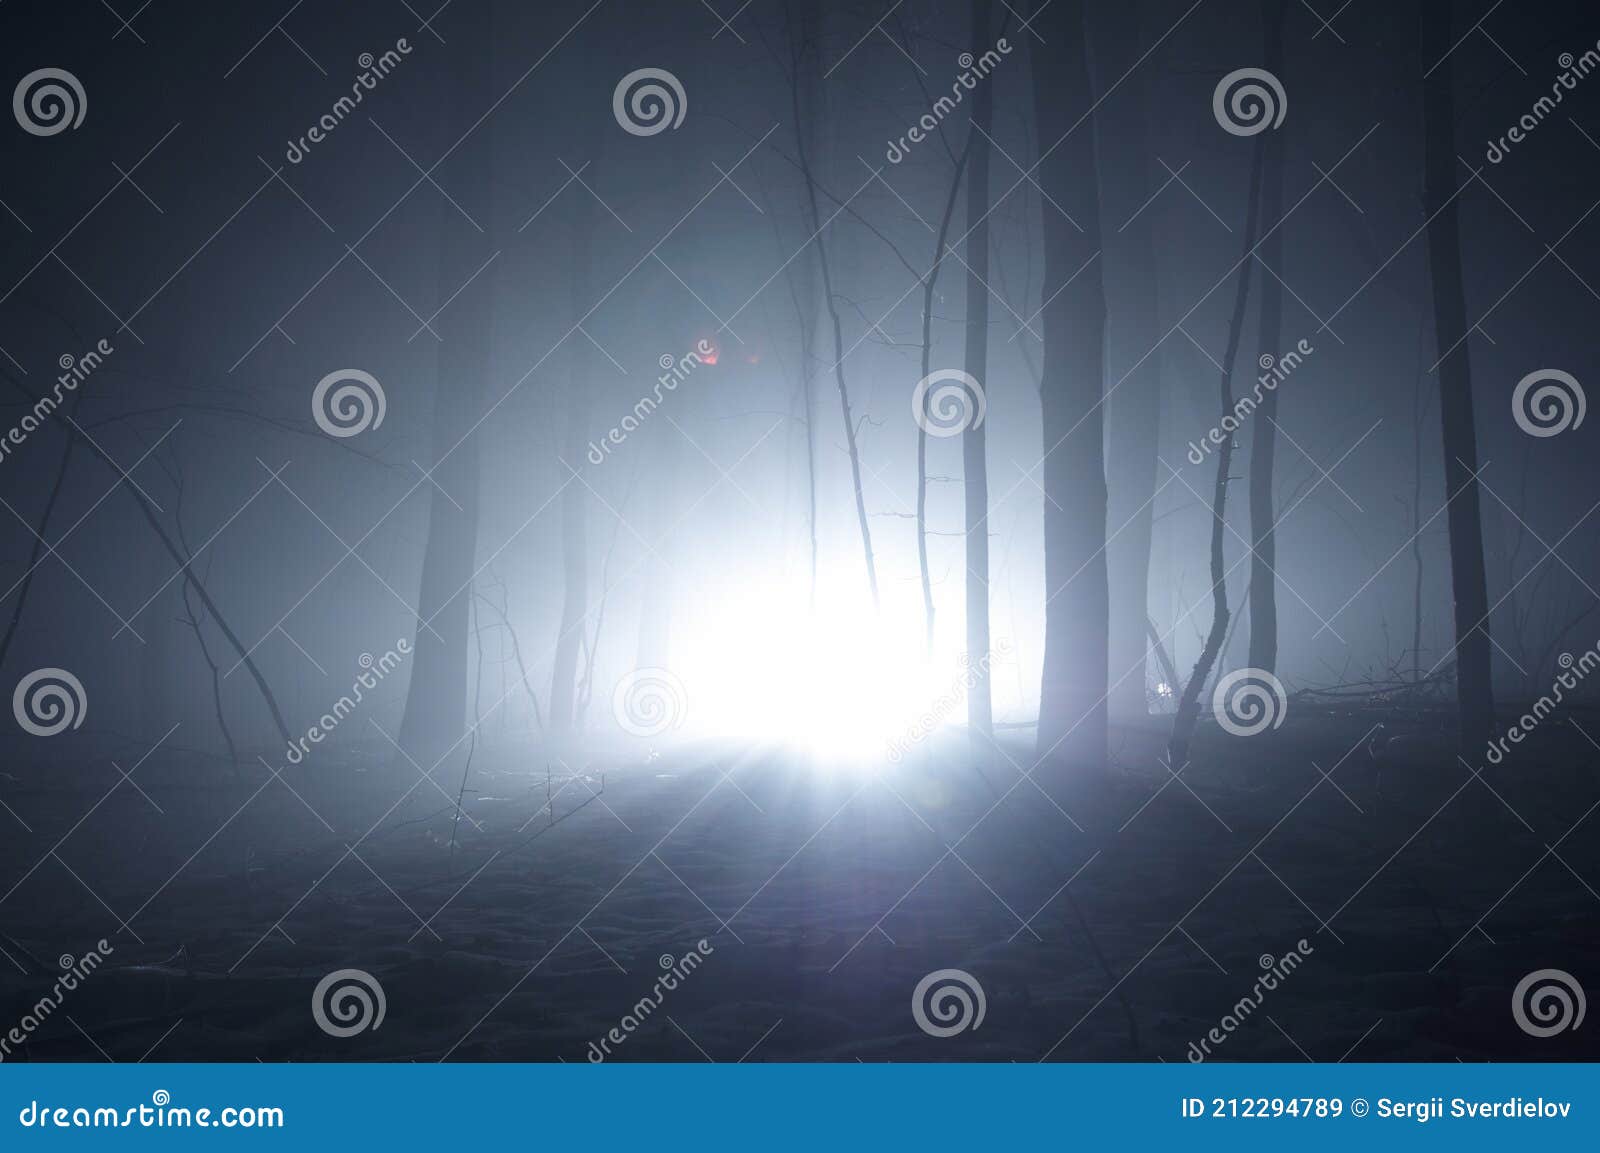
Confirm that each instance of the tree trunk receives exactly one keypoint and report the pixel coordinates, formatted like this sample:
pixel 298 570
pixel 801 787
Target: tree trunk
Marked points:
pixel 1072 693
pixel 1189 702
pixel 1263 596
pixel 436 699
pixel 574 530
pixel 929 282
pixel 1133 409
pixel 974 462
pixel 1474 687
pixel 806 54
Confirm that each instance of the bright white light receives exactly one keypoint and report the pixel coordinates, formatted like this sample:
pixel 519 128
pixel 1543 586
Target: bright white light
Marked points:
pixel 842 682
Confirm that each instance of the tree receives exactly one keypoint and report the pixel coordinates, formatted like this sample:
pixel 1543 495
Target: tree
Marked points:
pixel 1183 722
pixel 1133 401
pixel 974 463
pixel 436 698
pixel 1072 692
pixel 1474 686
pixel 805 53
pixel 1263 599
pixel 574 527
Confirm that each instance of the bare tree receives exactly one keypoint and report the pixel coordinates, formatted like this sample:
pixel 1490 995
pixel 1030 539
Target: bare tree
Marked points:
pixel 974 458
pixel 805 53
pixel 1263 595
pixel 1072 694
pixel 436 698
pixel 574 529
pixel 1183 722
pixel 1133 403
pixel 1474 686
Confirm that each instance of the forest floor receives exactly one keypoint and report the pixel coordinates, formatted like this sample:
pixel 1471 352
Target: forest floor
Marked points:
pixel 1117 920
